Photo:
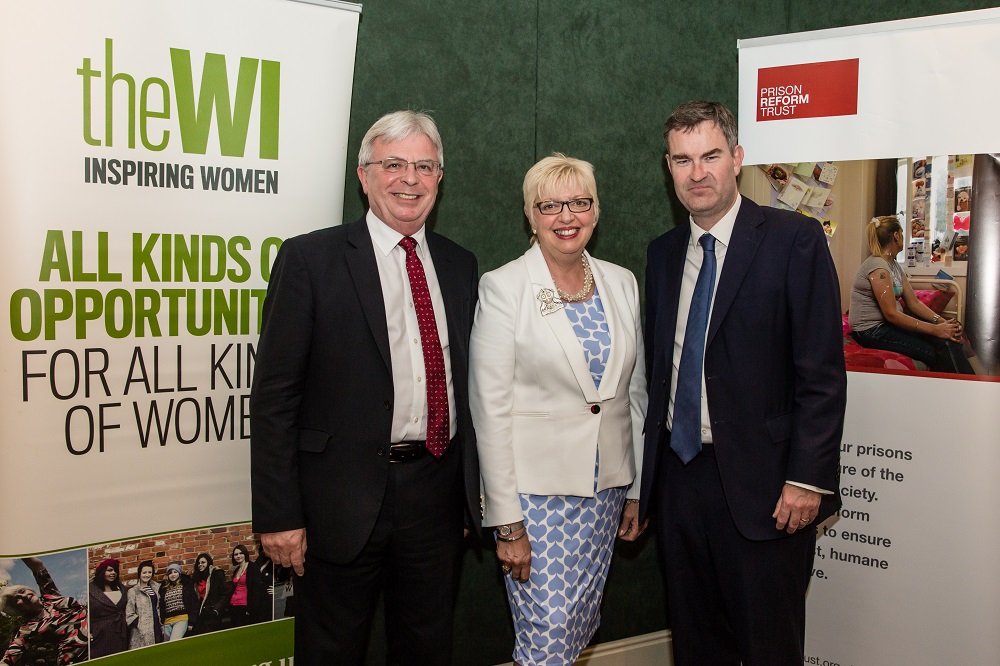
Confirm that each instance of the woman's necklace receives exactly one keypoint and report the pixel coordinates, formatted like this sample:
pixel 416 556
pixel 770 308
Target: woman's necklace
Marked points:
pixel 588 282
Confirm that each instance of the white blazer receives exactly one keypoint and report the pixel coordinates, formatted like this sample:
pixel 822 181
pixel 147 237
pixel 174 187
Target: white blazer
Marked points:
pixel 540 421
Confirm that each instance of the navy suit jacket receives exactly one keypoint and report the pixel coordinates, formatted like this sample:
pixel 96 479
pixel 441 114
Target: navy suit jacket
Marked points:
pixel 321 401
pixel 774 363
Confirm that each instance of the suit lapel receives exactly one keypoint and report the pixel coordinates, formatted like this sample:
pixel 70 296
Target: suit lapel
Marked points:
pixel 558 323
pixel 675 256
pixel 743 245
pixel 360 256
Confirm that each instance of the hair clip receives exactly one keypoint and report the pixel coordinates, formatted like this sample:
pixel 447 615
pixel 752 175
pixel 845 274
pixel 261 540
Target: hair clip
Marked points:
pixel 875 221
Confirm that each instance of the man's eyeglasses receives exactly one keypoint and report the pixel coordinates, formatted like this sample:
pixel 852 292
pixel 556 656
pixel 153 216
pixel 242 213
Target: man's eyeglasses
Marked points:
pixel 395 165
pixel 581 205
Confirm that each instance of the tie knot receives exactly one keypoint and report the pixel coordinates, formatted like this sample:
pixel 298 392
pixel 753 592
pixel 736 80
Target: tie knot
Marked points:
pixel 408 244
pixel 707 242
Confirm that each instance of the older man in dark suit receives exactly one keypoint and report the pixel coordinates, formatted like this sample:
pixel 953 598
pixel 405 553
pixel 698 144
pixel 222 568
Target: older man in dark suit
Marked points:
pixel 746 404
pixel 362 439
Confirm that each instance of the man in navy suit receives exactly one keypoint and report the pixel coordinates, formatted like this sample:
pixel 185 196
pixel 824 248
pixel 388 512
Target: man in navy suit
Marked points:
pixel 361 437
pixel 736 521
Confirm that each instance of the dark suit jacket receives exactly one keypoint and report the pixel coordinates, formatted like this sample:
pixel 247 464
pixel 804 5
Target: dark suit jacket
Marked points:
pixel 321 402
pixel 774 362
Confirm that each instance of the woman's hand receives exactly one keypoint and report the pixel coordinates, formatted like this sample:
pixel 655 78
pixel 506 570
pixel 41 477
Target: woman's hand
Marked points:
pixel 949 329
pixel 517 556
pixel 33 563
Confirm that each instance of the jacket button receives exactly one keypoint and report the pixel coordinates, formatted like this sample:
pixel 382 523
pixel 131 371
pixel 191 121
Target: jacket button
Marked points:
pixel 595 409
pixel 380 452
pixel 387 405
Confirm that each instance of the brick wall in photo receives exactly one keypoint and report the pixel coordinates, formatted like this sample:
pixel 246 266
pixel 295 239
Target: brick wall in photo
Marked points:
pixel 183 547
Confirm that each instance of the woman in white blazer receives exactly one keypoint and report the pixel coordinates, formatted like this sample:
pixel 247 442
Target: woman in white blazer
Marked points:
pixel 558 396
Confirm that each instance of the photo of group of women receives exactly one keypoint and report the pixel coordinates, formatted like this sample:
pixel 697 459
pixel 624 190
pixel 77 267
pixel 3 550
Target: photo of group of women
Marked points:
pixel 66 608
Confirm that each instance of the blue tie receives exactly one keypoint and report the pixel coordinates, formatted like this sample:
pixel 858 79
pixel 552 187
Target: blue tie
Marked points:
pixel 685 434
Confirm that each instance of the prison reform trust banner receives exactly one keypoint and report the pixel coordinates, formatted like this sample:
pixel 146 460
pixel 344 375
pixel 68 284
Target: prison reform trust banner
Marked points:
pixel 907 572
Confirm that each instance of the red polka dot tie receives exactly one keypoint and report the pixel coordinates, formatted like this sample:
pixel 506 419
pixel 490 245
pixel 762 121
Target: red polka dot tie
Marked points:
pixel 438 423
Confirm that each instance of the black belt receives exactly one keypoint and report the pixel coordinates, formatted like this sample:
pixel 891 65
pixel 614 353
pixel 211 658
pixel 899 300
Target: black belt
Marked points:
pixel 407 451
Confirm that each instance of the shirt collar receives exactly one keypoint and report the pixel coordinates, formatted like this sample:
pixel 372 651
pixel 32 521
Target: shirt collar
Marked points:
pixel 386 238
pixel 723 229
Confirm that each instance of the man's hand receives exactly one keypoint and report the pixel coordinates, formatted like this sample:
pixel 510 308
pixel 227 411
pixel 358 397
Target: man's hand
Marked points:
pixel 286 548
pixel 630 529
pixel 796 508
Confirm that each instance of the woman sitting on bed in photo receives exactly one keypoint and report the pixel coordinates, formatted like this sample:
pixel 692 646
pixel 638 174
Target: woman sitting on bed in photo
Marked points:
pixel 877 318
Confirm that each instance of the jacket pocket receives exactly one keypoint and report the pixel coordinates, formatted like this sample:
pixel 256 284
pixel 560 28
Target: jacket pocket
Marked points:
pixel 780 428
pixel 313 441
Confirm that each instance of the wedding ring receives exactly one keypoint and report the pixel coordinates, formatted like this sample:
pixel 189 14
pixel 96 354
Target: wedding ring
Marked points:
pixel 803 520
pixel 506 568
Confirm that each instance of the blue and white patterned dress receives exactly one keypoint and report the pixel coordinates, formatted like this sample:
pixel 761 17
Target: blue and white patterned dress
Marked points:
pixel 558 610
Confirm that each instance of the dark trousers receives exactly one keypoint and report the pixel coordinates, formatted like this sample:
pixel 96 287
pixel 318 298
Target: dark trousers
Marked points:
pixel 731 600
pixel 937 354
pixel 413 556
pixel 239 616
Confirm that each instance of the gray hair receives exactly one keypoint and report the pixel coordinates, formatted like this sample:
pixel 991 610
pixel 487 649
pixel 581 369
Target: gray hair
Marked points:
pixel 7 601
pixel 689 115
pixel 399 125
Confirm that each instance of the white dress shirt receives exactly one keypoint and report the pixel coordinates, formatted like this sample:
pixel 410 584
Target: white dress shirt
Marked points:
pixel 409 414
pixel 723 232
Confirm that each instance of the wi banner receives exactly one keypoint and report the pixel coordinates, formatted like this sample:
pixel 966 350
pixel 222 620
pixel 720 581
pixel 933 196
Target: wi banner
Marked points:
pixel 154 158
pixel 906 572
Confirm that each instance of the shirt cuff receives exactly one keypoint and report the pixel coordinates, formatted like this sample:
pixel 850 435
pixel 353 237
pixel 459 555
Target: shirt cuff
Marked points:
pixel 808 487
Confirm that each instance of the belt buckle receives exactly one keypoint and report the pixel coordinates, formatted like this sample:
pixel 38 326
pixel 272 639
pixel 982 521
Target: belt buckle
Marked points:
pixel 406 451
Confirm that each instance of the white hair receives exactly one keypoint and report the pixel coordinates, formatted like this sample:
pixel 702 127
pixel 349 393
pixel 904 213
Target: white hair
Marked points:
pixel 7 597
pixel 399 125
